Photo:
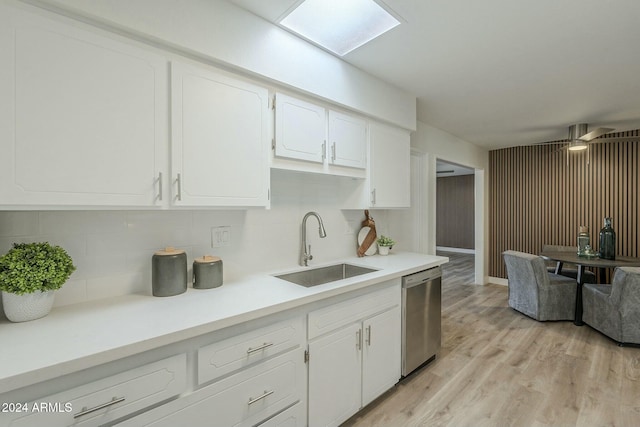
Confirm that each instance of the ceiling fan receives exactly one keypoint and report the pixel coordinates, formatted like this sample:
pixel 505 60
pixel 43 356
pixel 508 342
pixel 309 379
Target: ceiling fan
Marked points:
pixel 580 138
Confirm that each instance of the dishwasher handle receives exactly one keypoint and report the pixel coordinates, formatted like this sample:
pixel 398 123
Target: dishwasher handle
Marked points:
pixel 421 277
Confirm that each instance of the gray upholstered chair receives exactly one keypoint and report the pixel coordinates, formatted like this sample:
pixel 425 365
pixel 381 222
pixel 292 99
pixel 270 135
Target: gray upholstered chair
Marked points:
pixel 569 270
pixel 614 309
pixel 535 292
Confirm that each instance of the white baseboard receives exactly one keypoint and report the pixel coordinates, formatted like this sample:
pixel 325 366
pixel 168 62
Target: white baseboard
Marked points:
pixel 498 281
pixel 458 250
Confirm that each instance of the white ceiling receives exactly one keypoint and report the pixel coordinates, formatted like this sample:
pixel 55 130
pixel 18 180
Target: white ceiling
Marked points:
pixel 501 73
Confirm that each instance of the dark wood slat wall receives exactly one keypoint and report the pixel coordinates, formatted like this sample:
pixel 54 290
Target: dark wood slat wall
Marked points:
pixel 537 196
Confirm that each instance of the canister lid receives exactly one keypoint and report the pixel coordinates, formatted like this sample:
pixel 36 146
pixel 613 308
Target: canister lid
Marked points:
pixel 583 229
pixel 169 250
pixel 207 259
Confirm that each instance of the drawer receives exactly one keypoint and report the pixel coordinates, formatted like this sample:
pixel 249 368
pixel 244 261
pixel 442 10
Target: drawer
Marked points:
pixel 292 417
pixel 244 399
pixel 105 400
pixel 352 310
pixel 240 351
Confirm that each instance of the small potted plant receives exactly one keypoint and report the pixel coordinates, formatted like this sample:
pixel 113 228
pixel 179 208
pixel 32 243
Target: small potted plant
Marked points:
pixel 384 244
pixel 29 275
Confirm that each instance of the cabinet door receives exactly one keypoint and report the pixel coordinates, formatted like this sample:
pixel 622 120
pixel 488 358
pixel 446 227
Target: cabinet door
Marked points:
pixel 389 172
pixel 219 151
pixel 347 140
pixel 335 376
pixel 83 116
pixel 381 359
pixel 301 129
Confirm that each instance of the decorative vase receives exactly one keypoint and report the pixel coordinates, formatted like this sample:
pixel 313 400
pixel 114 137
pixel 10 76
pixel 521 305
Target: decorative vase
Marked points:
pixel 607 241
pixel 383 250
pixel 22 308
pixel 583 240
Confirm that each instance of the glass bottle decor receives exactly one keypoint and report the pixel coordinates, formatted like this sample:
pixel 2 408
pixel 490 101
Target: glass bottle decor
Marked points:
pixel 607 241
pixel 584 240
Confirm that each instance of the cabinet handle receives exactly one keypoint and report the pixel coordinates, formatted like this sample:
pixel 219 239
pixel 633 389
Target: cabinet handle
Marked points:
pixel 159 186
pixel 265 394
pixel 324 150
pixel 373 197
pixel 368 339
pixel 85 411
pixel 262 347
pixel 179 182
pixel 359 339
pixel 333 152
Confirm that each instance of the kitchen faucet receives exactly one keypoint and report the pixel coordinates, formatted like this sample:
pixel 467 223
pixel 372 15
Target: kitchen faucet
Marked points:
pixel 304 255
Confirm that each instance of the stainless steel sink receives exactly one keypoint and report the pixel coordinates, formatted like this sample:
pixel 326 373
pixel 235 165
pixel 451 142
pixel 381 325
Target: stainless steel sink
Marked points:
pixel 321 275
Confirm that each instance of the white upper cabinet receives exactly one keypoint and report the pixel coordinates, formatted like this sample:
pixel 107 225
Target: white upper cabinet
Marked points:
pixel 83 117
pixel 312 138
pixel 301 129
pixel 219 150
pixel 389 167
pixel 347 140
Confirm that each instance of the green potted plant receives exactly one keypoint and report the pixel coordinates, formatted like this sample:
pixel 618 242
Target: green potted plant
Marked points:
pixel 384 244
pixel 30 273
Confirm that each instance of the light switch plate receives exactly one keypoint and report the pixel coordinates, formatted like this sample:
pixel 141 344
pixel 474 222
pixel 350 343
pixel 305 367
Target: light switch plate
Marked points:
pixel 221 236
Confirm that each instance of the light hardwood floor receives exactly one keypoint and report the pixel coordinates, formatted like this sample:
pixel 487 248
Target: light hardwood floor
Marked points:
pixel 498 367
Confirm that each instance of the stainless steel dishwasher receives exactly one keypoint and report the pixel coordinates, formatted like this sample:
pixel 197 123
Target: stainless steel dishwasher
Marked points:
pixel 421 318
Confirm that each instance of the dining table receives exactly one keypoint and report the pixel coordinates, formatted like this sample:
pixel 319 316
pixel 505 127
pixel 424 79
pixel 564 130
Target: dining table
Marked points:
pixel 582 262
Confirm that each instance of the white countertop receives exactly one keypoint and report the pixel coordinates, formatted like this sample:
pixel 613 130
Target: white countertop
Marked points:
pixel 85 335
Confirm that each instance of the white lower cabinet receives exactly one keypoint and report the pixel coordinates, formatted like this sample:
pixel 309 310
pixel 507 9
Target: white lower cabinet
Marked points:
pixel 253 374
pixel 104 401
pixel 335 376
pixel 381 354
pixel 357 361
pixel 247 398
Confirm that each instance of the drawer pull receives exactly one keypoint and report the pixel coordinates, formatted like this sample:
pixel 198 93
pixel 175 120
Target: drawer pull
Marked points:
pixel 86 411
pixel 265 394
pixel 262 347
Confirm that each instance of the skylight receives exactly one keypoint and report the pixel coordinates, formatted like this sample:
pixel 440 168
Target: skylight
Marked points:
pixel 339 25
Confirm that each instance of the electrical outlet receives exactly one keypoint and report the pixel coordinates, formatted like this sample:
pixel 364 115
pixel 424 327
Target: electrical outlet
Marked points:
pixel 221 236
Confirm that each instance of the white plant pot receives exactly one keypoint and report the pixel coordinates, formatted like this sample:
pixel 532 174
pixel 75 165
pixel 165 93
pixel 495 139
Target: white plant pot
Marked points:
pixel 383 250
pixel 22 308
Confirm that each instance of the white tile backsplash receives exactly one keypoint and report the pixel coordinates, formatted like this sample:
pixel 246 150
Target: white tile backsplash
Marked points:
pixel 112 250
pixel 17 224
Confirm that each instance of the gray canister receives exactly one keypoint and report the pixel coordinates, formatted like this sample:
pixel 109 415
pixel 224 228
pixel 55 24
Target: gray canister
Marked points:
pixel 207 272
pixel 169 272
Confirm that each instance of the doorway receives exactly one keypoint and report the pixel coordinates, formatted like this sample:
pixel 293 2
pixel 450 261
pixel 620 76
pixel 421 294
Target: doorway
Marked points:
pixel 455 218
